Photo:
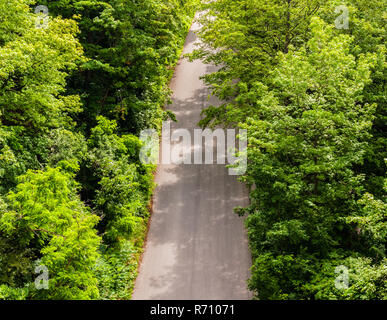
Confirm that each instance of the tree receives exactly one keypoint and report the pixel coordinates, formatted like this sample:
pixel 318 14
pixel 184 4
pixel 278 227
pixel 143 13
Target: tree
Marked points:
pixel 244 38
pixel 33 68
pixel 34 65
pixel 131 48
pixel 73 96
pixel 305 136
pixel 312 100
pixel 125 186
pixel 45 212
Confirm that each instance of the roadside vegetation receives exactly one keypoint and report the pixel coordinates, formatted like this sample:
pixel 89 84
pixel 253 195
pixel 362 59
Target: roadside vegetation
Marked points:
pixel 77 89
pixel 74 96
pixel 312 95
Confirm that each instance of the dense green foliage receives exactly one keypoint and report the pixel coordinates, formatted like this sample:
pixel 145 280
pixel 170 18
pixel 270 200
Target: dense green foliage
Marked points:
pixel 313 99
pixel 75 95
pixel 73 98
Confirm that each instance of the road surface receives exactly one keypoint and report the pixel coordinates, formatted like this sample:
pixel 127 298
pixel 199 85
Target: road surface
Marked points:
pixel 197 246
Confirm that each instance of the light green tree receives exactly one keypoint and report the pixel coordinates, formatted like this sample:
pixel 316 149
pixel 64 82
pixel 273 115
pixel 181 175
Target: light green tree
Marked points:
pixel 45 211
pixel 305 136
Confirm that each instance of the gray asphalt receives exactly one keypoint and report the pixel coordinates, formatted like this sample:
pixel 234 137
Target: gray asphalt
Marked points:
pixel 197 246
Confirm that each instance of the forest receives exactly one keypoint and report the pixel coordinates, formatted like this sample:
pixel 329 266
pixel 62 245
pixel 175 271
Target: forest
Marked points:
pixel 311 92
pixel 74 96
pixel 79 84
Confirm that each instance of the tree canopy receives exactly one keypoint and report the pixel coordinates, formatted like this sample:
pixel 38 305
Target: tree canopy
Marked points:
pixel 312 98
pixel 75 92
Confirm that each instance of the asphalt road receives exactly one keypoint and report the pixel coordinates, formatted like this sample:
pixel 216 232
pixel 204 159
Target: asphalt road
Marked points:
pixel 197 246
